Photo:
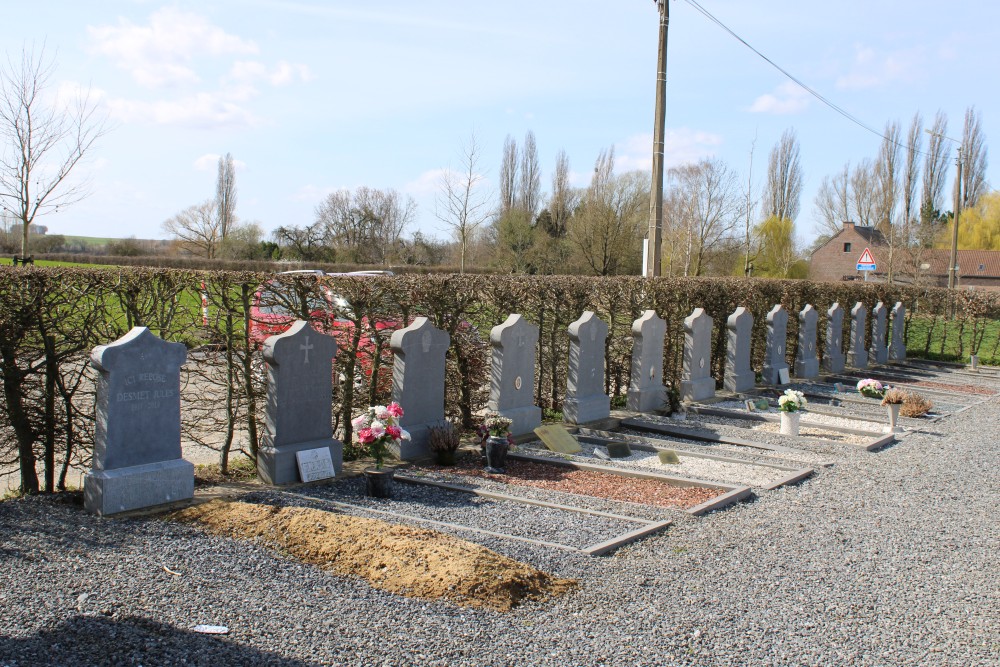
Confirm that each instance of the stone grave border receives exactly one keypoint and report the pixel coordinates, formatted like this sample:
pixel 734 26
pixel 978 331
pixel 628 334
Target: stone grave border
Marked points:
pixel 830 410
pixel 966 400
pixel 853 398
pixel 595 437
pixel 958 368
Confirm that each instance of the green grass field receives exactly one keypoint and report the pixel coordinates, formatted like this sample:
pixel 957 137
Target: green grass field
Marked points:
pixel 950 341
pixel 7 261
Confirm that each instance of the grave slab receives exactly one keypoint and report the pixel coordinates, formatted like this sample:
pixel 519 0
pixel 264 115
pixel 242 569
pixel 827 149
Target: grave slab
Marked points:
pixel 806 359
pixel 697 382
pixel 879 353
pixel 585 398
pixel 857 353
pixel 558 439
pixel 833 355
pixel 774 352
pixel 418 382
pixel 512 374
pixel 646 391
pixel 897 344
pixel 739 376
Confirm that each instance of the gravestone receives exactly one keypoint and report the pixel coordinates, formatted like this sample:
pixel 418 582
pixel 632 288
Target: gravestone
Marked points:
pixel 137 432
pixel 585 397
pixel 298 415
pixel 857 354
pixel 558 439
pixel 774 350
pixel 833 356
pixel 806 359
pixel 879 353
pixel 418 382
pixel 897 344
pixel 739 375
pixel 512 374
pixel 646 391
pixel 697 382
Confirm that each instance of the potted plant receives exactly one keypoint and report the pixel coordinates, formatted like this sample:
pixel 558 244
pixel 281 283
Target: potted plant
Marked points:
pixel 871 388
pixel 791 404
pixel 893 401
pixel 496 440
pixel 378 428
pixel 444 442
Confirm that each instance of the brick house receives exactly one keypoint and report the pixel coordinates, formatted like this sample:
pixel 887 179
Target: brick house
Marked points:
pixel 837 259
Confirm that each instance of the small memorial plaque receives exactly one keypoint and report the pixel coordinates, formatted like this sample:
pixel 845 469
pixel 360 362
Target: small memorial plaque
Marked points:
pixel 783 377
pixel 750 404
pixel 315 464
pixel 558 439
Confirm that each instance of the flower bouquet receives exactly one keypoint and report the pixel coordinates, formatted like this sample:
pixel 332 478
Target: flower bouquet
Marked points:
pixel 496 439
pixel 791 404
pixel 377 428
pixel 871 388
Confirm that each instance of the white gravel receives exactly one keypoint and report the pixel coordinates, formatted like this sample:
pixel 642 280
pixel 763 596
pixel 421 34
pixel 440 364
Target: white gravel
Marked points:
pixel 810 417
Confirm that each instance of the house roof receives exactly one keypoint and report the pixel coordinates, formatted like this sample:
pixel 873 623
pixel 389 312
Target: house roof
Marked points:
pixel 971 263
pixel 871 235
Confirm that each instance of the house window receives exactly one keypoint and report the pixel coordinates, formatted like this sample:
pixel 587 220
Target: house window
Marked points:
pixel 982 267
pixel 847 247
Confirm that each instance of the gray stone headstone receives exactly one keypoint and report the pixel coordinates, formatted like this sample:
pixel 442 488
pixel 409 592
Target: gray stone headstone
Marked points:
pixel 645 390
pixel 739 375
pixel 807 357
pixel 585 397
pixel 137 433
pixel 879 353
pixel 697 382
pixel 774 350
pixel 897 344
pixel 833 357
pixel 298 414
pixel 512 374
pixel 418 382
pixel 857 354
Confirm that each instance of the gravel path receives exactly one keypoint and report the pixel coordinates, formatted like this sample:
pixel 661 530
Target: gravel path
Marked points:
pixel 886 559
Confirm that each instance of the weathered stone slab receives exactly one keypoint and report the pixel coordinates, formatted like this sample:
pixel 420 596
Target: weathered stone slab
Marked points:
pixel 806 358
pixel 646 391
pixel 774 350
pixel 298 415
pixel 697 382
pixel 897 344
pixel 857 353
pixel 558 439
pixel 879 352
pixel 739 375
pixel 833 357
pixel 315 464
pixel 585 398
pixel 512 374
pixel 418 382
pixel 137 434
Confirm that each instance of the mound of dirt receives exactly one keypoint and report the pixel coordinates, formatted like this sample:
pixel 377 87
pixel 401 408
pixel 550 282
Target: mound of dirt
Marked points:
pixel 401 559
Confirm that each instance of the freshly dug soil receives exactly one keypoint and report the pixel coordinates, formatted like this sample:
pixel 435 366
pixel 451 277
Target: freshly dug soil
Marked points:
pixel 414 562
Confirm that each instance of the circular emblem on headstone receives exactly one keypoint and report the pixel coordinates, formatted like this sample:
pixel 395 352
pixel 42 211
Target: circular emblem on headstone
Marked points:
pixel 593 334
pixel 781 349
pixel 810 346
pixel 517 383
pixel 701 362
pixel 652 372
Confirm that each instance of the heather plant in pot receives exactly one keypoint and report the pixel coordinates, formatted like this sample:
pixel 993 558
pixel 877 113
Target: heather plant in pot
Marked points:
pixel 496 441
pixel 443 443
pixel 893 401
pixel 377 429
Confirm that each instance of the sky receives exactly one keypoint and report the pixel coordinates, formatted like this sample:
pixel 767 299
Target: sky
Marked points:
pixel 314 96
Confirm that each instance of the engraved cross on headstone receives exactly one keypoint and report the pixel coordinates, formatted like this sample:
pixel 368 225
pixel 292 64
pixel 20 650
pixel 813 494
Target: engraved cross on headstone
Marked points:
pixel 306 347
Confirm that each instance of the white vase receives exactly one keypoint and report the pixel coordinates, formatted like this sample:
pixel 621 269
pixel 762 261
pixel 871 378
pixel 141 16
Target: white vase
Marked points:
pixel 974 363
pixel 893 410
pixel 790 423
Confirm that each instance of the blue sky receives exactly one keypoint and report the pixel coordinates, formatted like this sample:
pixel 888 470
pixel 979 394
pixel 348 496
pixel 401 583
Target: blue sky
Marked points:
pixel 312 96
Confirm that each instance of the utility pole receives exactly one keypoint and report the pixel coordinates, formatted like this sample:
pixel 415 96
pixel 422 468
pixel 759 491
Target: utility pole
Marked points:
pixel 953 268
pixel 655 236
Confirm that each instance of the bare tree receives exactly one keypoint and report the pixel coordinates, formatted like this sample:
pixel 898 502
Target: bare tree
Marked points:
pixel 508 175
pixel 974 160
pixel 784 179
pixel 43 141
pixel 833 201
pixel 563 196
pixel 887 179
pixel 748 214
pixel 197 230
pixel 863 192
pixel 530 190
pixel 935 166
pixel 710 207
pixel 911 175
pixel 365 225
pixel 461 204
pixel 225 194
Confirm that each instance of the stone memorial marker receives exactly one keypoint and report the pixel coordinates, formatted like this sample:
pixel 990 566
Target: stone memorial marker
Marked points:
pixel 739 375
pixel 298 415
pixel 558 439
pixel 774 351
pixel 512 374
pixel 806 359
pixel 879 353
pixel 585 398
pixel 697 382
pixel 418 382
pixel 857 354
pixel 315 464
pixel 137 432
pixel 897 345
pixel 646 391
pixel 833 355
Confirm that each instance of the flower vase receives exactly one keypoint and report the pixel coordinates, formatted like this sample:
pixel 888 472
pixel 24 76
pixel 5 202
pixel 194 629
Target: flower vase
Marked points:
pixel 496 454
pixel 974 363
pixel 790 422
pixel 378 482
pixel 893 410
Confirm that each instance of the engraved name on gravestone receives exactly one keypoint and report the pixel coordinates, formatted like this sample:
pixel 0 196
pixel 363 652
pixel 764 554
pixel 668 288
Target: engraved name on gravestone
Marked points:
pixel 137 433
pixel 697 382
pixel 833 355
pixel 585 398
pixel 879 353
pixel 315 464
pixel 857 354
pixel 299 410
pixel 739 376
pixel 897 346
pixel 645 390
pixel 774 349
pixel 806 359
pixel 512 374
pixel 418 382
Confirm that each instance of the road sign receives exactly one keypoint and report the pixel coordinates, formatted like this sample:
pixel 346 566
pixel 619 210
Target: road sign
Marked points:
pixel 866 261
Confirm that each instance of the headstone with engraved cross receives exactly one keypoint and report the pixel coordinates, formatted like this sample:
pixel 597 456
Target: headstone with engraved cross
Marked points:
pixel 833 353
pixel 697 382
pixel 418 382
pixel 645 390
pixel 897 344
pixel 806 358
pixel 512 374
pixel 585 398
pixel 739 375
pixel 774 349
pixel 879 352
pixel 857 353
pixel 298 415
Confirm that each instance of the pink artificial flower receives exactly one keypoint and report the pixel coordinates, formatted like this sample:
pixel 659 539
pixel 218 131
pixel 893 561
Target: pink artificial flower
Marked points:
pixel 394 432
pixel 395 409
pixel 377 429
pixel 381 412
pixel 365 436
pixel 359 422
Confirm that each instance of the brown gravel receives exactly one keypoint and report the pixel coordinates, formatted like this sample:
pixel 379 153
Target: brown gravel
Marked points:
pixel 589 483
pixel 961 388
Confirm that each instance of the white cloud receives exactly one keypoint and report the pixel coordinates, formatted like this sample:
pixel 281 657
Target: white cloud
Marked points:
pixel 787 98
pixel 313 193
pixel 427 183
pixel 161 53
pixel 281 74
pixel 210 162
pixel 870 70
pixel 680 146
pixel 211 110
